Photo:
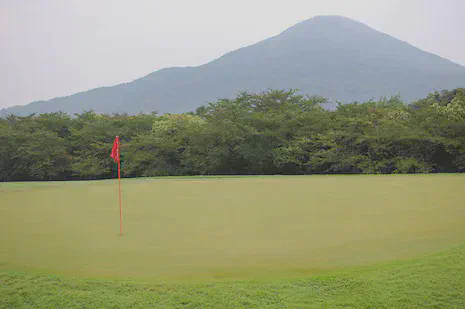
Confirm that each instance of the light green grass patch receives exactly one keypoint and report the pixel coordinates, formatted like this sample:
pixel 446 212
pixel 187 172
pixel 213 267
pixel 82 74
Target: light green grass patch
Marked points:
pixel 434 281
pixel 227 228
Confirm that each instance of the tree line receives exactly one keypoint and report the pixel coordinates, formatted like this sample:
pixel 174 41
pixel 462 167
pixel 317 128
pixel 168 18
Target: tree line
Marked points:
pixel 273 132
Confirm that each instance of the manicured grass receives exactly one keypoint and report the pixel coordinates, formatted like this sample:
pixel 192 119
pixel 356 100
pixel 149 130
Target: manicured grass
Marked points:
pixel 235 242
pixel 435 281
pixel 227 228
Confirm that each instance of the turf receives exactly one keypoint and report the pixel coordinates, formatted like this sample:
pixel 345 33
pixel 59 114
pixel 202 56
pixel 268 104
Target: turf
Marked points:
pixel 434 281
pixel 227 228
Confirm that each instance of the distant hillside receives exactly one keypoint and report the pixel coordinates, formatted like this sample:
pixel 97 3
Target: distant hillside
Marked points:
pixel 332 56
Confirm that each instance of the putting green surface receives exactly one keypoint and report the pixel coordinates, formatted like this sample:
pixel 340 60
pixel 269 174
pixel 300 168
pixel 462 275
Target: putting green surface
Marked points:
pixel 237 227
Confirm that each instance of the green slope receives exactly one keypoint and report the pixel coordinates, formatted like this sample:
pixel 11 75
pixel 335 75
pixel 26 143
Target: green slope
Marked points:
pixel 331 56
pixel 435 281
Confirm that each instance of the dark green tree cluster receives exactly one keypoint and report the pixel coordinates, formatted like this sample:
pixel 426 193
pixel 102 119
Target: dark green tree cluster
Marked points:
pixel 274 132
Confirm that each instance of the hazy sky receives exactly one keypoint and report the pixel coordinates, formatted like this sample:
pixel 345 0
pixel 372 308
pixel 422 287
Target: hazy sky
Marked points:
pixel 52 48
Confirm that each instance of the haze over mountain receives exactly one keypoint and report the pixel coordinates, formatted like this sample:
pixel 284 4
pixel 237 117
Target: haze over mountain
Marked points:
pixel 331 56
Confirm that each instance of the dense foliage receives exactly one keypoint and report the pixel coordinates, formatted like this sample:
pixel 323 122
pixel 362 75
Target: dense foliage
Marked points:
pixel 275 132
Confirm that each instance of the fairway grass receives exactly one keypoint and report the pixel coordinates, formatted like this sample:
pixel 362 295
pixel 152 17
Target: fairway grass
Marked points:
pixel 434 281
pixel 227 228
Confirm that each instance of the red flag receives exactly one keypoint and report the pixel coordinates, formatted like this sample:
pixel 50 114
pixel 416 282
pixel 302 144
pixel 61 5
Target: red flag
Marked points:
pixel 115 155
pixel 115 150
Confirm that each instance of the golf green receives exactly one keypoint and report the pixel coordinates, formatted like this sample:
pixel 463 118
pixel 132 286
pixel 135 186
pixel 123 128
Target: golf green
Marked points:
pixel 227 227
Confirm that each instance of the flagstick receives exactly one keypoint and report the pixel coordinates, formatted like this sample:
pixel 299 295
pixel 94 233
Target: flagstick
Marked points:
pixel 119 195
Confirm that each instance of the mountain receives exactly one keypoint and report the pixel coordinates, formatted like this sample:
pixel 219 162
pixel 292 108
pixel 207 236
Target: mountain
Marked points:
pixel 332 56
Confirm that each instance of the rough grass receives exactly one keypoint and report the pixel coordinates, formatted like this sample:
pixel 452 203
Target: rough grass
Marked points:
pixel 436 281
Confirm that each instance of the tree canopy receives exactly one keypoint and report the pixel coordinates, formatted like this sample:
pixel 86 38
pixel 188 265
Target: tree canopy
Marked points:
pixel 273 132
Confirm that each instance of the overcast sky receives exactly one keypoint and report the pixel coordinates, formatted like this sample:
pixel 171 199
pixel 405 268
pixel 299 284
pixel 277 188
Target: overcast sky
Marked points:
pixel 51 48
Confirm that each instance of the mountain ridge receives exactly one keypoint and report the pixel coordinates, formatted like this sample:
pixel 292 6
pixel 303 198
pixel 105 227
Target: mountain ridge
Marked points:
pixel 332 56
